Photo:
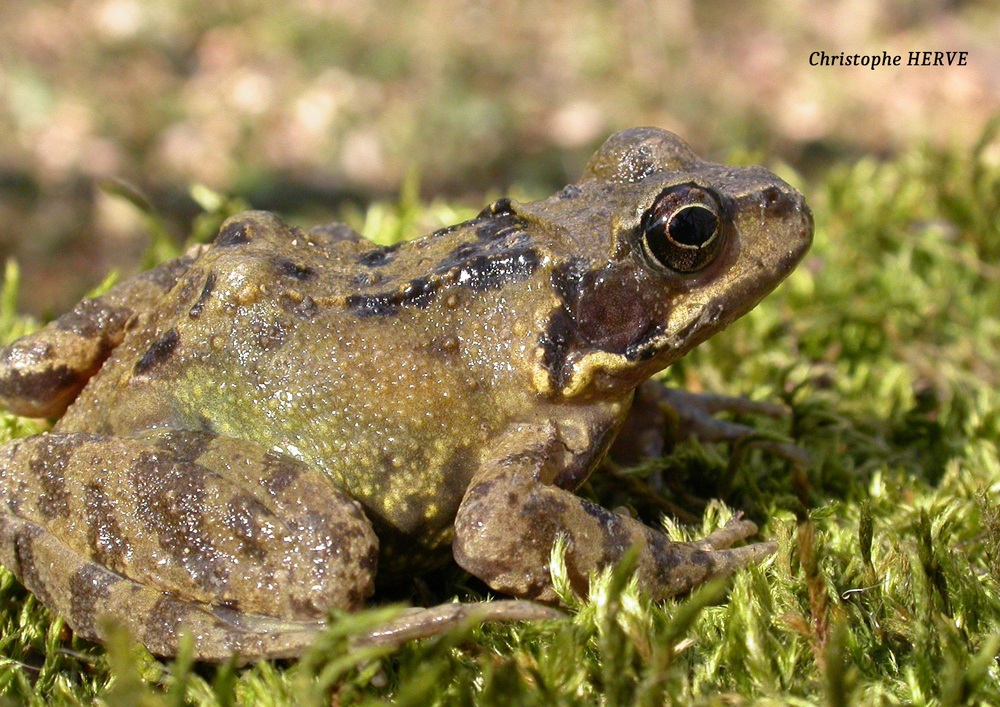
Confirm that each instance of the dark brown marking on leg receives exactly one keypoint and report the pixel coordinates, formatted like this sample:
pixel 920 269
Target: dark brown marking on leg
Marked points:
pixel 167 615
pixel 279 473
pixel 104 534
pixel 304 608
pixel 187 446
pixel 171 495
pixel 25 537
pixel 369 562
pixel 617 541
pixel 89 586
pixel 670 560
pixel 159 352
pixel 92 318
pixel 489 533
pixel 476 494
pixel 242 515
pixel 48 462
pixel 44 382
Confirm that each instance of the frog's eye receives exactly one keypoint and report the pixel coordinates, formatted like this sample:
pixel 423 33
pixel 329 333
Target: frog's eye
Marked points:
pixel 682 231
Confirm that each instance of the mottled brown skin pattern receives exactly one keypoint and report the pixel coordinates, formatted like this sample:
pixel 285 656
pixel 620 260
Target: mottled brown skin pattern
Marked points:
pixel 269 419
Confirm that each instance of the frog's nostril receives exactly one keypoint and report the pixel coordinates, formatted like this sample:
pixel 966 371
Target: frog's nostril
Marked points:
pixel 777 201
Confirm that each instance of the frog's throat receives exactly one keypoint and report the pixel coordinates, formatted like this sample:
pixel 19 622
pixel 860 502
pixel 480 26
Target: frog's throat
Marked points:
pixel 655 354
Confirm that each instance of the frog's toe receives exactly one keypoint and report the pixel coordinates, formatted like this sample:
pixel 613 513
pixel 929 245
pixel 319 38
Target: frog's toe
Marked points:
pixel 713 404
pixel 696 413
pixel 686 566
pixel 436 620
pixel 732 532
pixel 723 563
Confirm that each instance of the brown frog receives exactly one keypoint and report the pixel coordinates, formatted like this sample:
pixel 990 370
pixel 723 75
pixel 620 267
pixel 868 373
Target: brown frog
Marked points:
pixel 250 432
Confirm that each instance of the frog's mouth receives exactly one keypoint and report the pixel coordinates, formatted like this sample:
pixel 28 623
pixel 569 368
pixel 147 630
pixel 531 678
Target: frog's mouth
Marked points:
pixel 658 347
pixel 656 340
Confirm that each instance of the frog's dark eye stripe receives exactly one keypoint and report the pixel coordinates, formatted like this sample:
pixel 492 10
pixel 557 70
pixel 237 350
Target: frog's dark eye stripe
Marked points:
pixel 682 231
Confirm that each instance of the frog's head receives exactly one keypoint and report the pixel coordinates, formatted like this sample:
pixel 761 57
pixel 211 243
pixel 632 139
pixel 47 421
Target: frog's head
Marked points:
pixel 654 251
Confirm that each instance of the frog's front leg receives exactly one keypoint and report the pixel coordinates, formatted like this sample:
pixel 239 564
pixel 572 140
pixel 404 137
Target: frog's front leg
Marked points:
pixel 246 548
pixel 513 513
pixel 661 416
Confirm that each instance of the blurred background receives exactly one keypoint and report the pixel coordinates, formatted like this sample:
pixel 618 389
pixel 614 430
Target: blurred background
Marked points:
pixel 311 107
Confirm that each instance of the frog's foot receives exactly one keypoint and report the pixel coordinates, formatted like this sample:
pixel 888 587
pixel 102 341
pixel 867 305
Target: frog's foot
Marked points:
pixel 724 558
pixel 648 429
pixel 436 620
pixel 245 548
pixel 512 515
pixel 734 531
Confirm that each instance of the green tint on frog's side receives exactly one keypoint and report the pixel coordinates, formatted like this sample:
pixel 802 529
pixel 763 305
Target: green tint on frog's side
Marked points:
pixel 261 425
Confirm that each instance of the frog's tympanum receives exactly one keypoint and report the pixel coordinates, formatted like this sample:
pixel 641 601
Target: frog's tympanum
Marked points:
pixel 255 433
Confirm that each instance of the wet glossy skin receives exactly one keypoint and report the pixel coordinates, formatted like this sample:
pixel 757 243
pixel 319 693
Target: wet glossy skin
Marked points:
pixel 274 422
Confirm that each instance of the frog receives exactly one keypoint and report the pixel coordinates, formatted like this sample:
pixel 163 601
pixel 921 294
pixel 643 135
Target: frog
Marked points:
pixel 260 432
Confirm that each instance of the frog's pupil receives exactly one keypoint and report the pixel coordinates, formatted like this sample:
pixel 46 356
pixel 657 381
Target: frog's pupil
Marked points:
pixel 693 226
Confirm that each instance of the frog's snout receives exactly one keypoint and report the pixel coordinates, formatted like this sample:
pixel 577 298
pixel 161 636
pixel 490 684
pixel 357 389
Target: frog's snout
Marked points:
pixel 783 204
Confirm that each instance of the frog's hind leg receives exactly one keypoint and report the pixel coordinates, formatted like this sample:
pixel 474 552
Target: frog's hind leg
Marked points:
pixel 93 599
pixel 247 549
pixel 43 372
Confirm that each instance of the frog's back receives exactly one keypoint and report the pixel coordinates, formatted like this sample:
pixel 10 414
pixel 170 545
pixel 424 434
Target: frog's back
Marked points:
pixel 337 354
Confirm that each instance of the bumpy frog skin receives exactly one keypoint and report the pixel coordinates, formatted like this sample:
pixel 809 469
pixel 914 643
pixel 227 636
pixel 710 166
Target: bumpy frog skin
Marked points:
pixel 249 431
